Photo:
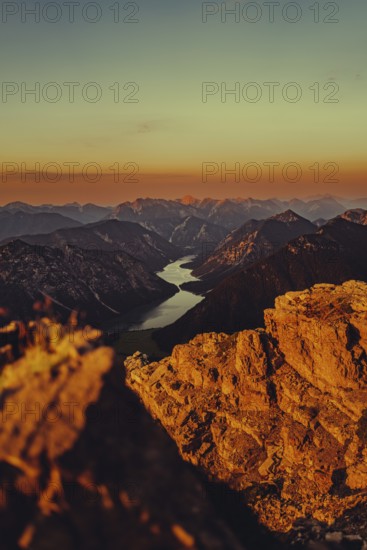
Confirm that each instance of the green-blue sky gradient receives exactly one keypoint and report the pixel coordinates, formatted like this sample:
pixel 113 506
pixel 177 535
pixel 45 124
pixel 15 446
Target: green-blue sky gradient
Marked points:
pixel 171 132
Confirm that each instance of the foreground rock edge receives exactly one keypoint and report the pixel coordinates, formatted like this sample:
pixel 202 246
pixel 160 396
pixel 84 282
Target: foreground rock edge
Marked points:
pixel 82 464
pixel 279 414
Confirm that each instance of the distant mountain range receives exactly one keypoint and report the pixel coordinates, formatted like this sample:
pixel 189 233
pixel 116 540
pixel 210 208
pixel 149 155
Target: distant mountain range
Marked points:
pixel 165 216
pixel 87 213
pixel 13 224
pixel 334 254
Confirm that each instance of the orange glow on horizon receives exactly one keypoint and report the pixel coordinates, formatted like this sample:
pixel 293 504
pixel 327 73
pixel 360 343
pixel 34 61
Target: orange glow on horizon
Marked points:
pixel 108 189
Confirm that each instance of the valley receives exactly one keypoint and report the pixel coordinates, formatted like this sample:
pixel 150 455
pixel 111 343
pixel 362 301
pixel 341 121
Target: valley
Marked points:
pixel 167 312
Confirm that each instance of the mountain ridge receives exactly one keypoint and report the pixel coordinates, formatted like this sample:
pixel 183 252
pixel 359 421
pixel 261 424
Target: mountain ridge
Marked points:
pixel 114 236
pixel 101 285
pixel 251 242
pixel 14 224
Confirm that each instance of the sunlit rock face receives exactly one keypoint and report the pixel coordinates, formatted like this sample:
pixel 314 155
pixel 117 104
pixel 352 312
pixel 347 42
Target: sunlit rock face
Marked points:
pixel 279 413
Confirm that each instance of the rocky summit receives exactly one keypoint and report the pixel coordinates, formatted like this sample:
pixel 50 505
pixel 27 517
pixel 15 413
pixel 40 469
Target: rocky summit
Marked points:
pixel 278 414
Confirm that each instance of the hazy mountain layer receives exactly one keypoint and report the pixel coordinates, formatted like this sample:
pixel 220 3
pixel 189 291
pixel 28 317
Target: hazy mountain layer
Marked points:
pixel 14 224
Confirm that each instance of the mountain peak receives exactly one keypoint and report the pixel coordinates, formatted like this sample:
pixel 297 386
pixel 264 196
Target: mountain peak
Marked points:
pixel 288 216
pixel 188 200
pixel 356 215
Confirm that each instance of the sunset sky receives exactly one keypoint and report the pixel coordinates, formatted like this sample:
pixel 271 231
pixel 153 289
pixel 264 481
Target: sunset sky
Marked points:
pixel 169 131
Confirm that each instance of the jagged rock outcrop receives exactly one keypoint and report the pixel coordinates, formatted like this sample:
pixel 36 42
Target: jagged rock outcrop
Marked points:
pixel 279 414
pixel 82 464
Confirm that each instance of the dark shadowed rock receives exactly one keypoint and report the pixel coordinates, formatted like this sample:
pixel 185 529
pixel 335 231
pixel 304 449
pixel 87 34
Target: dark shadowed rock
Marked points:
pixel 82 465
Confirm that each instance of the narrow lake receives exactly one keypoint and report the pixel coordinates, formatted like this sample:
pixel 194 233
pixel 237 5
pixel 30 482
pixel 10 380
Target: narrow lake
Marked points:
pixel 172 309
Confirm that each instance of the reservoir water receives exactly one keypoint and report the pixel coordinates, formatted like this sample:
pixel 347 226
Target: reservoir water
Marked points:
pixel 172 309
